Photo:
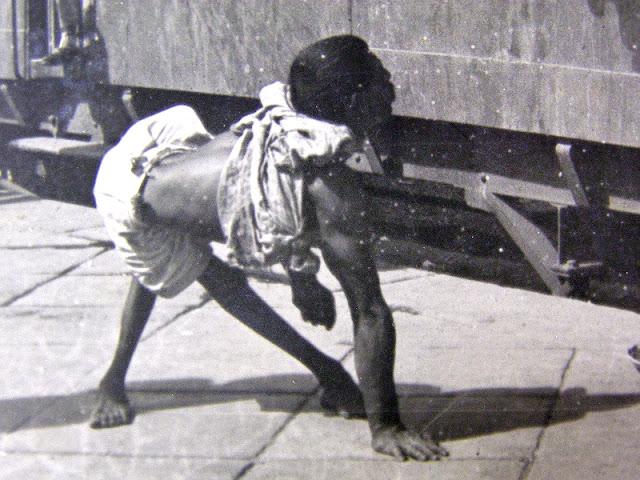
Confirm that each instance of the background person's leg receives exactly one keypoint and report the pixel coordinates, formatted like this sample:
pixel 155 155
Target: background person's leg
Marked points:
pixel 69 19
pixel 90 35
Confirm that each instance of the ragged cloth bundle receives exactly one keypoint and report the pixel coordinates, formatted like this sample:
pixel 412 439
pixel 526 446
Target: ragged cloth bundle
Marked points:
pixel 262 190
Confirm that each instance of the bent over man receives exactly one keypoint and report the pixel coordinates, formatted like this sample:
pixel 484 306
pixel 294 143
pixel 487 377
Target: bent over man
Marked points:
pixel 269 188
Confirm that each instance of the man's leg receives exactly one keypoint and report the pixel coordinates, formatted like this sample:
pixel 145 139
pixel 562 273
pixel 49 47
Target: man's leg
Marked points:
pixel 90 34
pixel 113 408
pixel 229 287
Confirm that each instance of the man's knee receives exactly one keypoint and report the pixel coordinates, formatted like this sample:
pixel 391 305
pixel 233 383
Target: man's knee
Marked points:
pixel 374 315
pixel 221 279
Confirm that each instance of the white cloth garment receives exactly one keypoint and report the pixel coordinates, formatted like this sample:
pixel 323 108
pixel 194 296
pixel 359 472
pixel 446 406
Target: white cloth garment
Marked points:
pixel 163 259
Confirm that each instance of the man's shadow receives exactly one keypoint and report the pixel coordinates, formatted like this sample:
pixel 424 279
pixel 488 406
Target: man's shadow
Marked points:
pixel 448 415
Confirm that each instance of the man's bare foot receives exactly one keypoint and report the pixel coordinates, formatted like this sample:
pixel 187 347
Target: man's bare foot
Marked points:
pixel 112 410
pixel 405 444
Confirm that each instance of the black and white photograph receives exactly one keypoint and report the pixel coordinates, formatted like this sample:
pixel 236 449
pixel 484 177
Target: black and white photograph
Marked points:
pixel 313 239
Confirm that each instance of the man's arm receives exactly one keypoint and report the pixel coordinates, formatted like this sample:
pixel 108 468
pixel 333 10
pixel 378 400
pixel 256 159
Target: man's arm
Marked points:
pixel 342 210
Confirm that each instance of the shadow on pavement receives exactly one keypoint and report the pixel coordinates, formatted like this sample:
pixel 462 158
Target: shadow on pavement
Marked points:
pixel 471 413
pixel 447 415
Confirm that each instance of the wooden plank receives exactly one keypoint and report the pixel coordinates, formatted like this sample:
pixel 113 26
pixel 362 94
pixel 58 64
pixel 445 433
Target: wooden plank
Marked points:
pixel 60 147
pixel 225 47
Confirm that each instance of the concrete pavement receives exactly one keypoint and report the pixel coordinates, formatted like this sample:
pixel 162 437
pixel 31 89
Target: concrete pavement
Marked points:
pixel 517 385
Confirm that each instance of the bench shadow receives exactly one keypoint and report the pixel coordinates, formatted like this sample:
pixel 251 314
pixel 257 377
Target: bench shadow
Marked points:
pixel 447 415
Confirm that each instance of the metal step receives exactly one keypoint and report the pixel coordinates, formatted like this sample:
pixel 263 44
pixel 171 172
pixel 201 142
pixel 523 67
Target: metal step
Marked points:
pixel 56 146
pixel 573 268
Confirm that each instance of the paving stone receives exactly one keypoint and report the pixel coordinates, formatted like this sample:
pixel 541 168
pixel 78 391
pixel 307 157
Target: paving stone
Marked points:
pixel 470 427
pixel 100 290
pixel 76 291
pixel 497 425
pixel 31 238
pixel 93 233
pixel 490 370
pixel 47 369
pixel 31 267
pixel 43 261
pixel 57 350
pixel 445 293
pixel 505 318
pixel 596 439
pixel 48 216
pixel 595 426
pixel 107 263
pixel 33 377
pixel 201 424
pixel 13 288
pixel 330 469
pixel 476 369
pixel 99 467
pixel 312 435
pixel 209 345
pixel 71 325
pixel 602 374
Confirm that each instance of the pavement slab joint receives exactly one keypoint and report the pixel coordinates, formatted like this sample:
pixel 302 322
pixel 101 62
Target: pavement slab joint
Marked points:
pixel 51 279
pixel 548 418
pixel 205 299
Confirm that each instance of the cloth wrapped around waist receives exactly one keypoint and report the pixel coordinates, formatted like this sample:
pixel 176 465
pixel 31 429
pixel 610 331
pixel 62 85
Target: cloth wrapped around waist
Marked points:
pixel 165 260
